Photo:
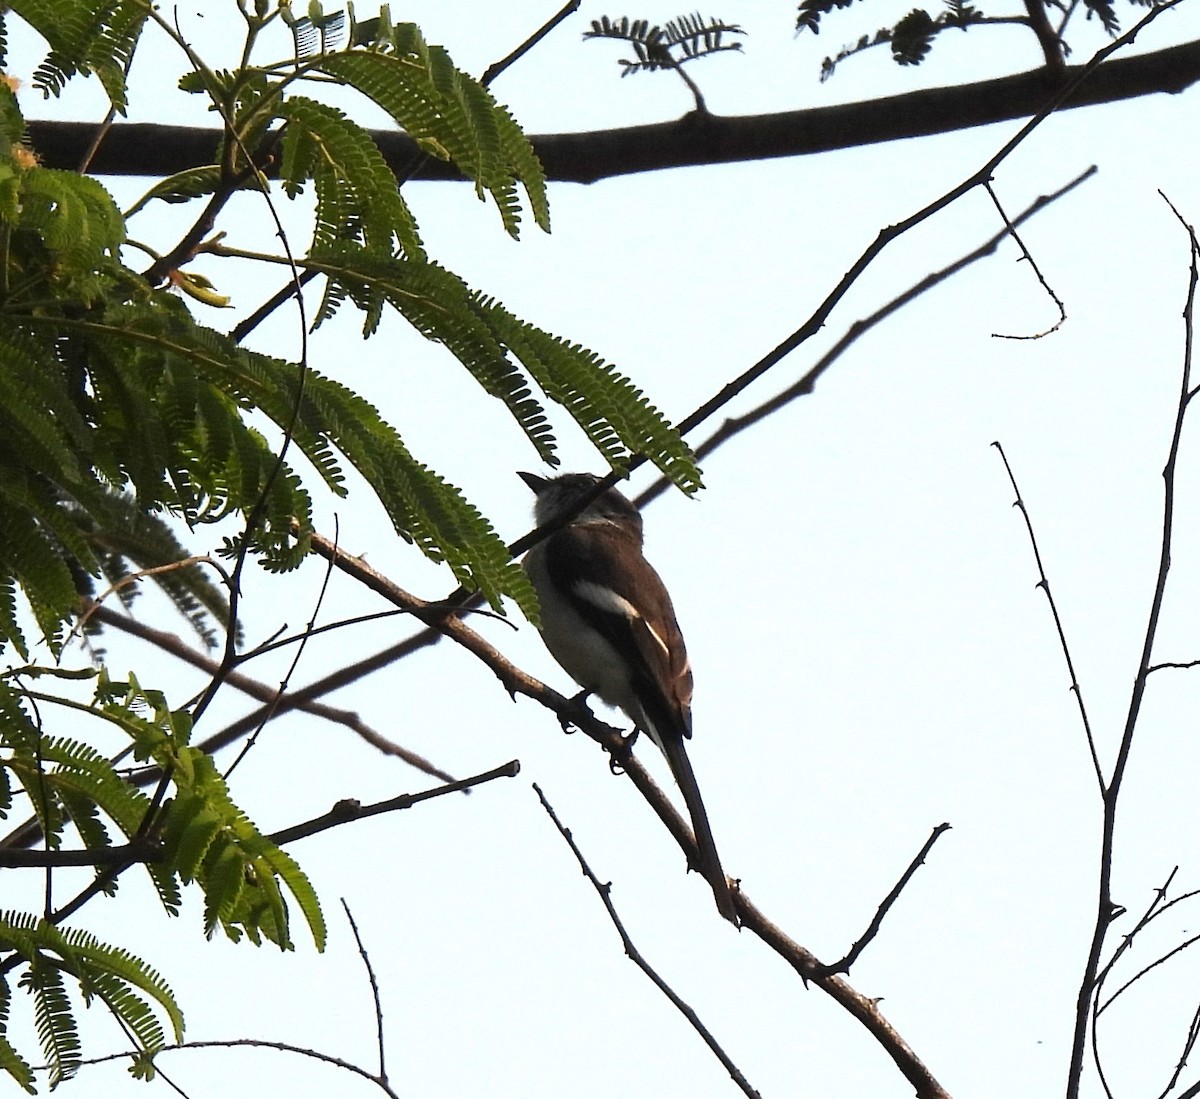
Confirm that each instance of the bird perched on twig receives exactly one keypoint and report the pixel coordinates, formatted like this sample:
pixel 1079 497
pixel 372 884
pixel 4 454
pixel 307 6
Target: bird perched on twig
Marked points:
pixel 607 619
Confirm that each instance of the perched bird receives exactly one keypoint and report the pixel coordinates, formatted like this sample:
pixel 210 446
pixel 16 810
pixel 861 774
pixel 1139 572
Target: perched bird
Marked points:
pixel 607 619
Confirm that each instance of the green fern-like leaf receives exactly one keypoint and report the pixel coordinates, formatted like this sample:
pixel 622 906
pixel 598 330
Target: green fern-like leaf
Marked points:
pixel 357 194
pixel 86 37
pixel 112 973
pixel 27 555
pixel 124 538
pixel 11 1061
pixel 912 37
pixel 682 39
pixel 483 335
pixel 810 12
pixel 1103 11
pixel 212 842
pixel 449 115
pixel 180 187
pixel 102 971
pixel 191 826
pixel 83 775
pixel 57 1030
pixel 437 303
pixel 614 413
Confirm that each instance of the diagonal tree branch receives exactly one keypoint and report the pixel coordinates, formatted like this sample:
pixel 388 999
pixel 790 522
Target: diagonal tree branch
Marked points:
pixel 636 956
pixel 173 644
pixel 442 618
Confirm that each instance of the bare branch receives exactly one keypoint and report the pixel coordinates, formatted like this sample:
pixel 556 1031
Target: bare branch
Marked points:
pixel 126 854
pixel 1027 255
pixel 261 1043
pixel 1179 948
pixel 1105 907
pixel 866 1010
pixel 807 384
pixel 362 953
pixel 173 644
pixel 1160 895
pixel 1044 584
pixel 497 67
pixel 890 233
pixel 843 965
pixel 1173 664
pixel 348 809
pixel 605 893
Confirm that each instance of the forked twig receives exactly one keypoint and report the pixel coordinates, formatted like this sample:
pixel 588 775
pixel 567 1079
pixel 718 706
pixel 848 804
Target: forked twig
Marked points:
pixel 1152 910
pixel 806 385
pixel 1105 906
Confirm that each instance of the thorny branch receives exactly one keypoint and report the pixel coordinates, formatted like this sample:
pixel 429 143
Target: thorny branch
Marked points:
pixel 381 1076
pixel 1044 584
pixel 515 681
pixel 852 955
pixel 1106 908
pixel 605 893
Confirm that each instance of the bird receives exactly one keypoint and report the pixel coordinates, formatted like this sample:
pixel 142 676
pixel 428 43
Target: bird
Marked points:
pixel 607 619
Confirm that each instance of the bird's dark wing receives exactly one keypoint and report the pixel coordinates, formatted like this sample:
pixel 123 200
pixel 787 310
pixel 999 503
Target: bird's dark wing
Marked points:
pixel 622 598
pixel 616 591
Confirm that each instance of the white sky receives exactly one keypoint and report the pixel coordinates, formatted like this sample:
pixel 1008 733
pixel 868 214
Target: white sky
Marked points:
pixel 857 592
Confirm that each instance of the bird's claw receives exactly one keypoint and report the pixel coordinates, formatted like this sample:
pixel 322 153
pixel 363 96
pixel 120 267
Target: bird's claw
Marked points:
pixel 619 758
pixel 575 714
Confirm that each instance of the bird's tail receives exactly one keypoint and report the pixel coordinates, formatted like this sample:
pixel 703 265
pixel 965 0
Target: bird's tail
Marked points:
pixel 710 862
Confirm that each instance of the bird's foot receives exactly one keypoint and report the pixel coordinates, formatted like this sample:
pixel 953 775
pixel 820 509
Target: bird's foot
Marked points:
pixel 619 758
pixel 576 713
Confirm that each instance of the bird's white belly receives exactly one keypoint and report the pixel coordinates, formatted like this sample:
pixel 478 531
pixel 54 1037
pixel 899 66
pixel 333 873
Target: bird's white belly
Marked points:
pixel 582 652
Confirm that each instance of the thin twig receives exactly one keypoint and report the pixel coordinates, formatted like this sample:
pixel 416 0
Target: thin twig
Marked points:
pixel 93 605
pixel 173 644
pixel 305 637
pixel 1179 948
pixel 843 965
pixel 260 1043
pixel 890 233
pixel 347 810
pixel 605 893
pixel 1012 232
pixel 105 126
pixel 497 67
pixel 806 385
pixel 1044 584
pixel 1153 909
pixel 362 953
pixel 1189 1044
pixel 1173 664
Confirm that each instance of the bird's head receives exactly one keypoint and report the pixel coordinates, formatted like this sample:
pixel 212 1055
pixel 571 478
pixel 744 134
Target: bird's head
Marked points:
pixel 562 496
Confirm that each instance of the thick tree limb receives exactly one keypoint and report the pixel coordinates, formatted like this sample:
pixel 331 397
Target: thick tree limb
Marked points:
pixel 144 149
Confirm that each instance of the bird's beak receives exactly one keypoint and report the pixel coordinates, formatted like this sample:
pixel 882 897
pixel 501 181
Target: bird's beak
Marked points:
pixel 538 484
